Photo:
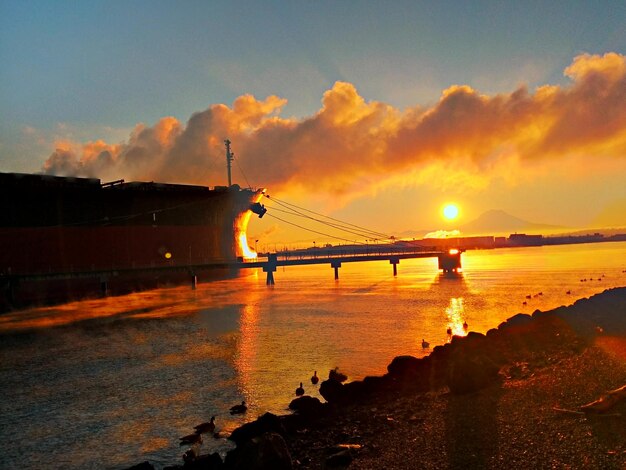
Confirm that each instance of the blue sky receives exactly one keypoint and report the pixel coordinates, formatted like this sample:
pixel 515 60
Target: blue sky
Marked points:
pixel 89 70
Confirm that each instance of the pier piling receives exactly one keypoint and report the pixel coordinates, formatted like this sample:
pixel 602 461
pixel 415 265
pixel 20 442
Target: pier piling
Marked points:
pixel 269 268
pixel 395 261
pixel 336 265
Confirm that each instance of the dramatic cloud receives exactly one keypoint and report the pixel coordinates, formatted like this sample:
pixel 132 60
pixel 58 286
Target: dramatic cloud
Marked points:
pixel 351 144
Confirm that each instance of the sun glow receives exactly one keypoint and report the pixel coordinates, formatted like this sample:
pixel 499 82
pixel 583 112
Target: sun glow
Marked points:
pixel 248 252
pixel 450 211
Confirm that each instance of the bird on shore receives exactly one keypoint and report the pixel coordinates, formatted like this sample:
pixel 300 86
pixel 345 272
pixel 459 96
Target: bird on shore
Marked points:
pixel 191 439
pixel 334 374
pixel 208 427
pixel 315 378
pixel 425 344
pixel 238 409
pixel 300 390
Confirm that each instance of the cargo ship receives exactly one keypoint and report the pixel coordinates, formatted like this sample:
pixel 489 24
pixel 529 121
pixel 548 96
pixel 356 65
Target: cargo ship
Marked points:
pixel 65 237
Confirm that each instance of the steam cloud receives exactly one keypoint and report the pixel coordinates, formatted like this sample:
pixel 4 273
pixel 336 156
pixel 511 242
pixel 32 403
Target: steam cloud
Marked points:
pixel 350 143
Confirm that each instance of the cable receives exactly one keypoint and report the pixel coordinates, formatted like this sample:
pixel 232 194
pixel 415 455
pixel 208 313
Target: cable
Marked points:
pixel 241 170
pixel 315 231
pixel 365 230
pixel 291 212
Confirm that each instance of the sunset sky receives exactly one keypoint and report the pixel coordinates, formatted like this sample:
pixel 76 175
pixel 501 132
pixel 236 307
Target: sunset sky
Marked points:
pixel 377 113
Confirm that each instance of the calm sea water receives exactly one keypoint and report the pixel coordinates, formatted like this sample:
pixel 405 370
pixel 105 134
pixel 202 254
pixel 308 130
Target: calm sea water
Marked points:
pixel 112 382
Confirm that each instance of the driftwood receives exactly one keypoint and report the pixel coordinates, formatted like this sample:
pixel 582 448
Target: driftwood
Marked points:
pixel 605 402
pixel 599 406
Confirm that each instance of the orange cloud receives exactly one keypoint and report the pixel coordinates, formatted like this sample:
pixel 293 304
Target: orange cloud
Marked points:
pixel 352 144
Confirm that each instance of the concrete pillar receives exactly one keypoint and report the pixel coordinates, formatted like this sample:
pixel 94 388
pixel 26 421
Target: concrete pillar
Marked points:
pixel 395 261
pixel 269 268
pixel 336 265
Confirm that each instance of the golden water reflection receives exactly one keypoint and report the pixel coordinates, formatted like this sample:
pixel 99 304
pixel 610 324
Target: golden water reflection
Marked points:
pixel 456 320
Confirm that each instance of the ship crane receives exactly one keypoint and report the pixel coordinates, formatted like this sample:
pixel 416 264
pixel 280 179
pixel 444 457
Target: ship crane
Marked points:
pixel 229 158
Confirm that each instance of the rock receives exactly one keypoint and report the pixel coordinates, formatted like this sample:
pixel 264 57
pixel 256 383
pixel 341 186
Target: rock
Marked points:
pixel 340 459
pixel 331 390
pixel 142 466
pixel 471 372
pixel 266 452
pixel 516 320
pixel 306 405
pixel 403 365
pixel 266 423
pixel 205 462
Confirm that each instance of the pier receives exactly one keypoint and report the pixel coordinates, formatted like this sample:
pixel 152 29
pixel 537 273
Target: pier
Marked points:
pixel 448 261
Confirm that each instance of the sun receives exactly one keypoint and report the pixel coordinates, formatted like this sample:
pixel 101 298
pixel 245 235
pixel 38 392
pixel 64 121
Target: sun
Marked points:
pixel 450 211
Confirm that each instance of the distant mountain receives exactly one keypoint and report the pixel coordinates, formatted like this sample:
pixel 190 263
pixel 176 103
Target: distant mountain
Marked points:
pixel 498 222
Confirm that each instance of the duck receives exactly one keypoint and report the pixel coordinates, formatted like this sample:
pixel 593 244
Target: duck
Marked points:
pixel 334 374
pixel 238 409
pixel 315 378
pixel 425 344
pixel 300 390
pixel 208 427
pixel 449 331
pixel 191 439
pixel 465 325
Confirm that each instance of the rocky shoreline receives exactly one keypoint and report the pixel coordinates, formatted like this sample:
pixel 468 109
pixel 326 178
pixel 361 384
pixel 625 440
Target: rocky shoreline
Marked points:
pixel 507 399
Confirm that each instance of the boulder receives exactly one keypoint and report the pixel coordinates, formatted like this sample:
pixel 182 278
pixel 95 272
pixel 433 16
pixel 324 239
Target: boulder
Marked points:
pixel 268 422
pixel 142 466
pixel 306 405
pixel 265 452
pixel 331 390
pixel 469 372
pixel 205 462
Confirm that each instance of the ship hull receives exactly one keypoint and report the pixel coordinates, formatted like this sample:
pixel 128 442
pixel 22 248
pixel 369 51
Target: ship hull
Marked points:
pixel 55 231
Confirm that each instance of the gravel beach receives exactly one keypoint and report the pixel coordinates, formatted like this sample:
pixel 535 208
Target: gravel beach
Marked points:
pixel 508 399
pixel 513 423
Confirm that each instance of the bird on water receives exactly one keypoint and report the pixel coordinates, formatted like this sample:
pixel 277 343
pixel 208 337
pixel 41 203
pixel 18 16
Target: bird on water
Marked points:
pixel 191 439
pixel 315 378
pixel 238 409
pixel 208 427
pixel 425 344
pixel 300 390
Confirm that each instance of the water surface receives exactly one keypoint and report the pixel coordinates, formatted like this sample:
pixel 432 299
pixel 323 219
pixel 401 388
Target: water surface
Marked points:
pixel 108 383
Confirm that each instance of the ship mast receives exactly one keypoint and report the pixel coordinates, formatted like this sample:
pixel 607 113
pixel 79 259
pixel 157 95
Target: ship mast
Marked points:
pixel 229 159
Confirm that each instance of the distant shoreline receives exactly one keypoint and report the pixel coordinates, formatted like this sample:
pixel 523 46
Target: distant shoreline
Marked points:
pixel 515 240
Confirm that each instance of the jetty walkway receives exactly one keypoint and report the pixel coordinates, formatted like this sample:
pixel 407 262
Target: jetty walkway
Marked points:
pixel 449 261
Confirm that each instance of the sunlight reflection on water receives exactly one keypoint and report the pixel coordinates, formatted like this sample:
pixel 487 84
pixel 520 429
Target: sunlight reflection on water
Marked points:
pixel 113 382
